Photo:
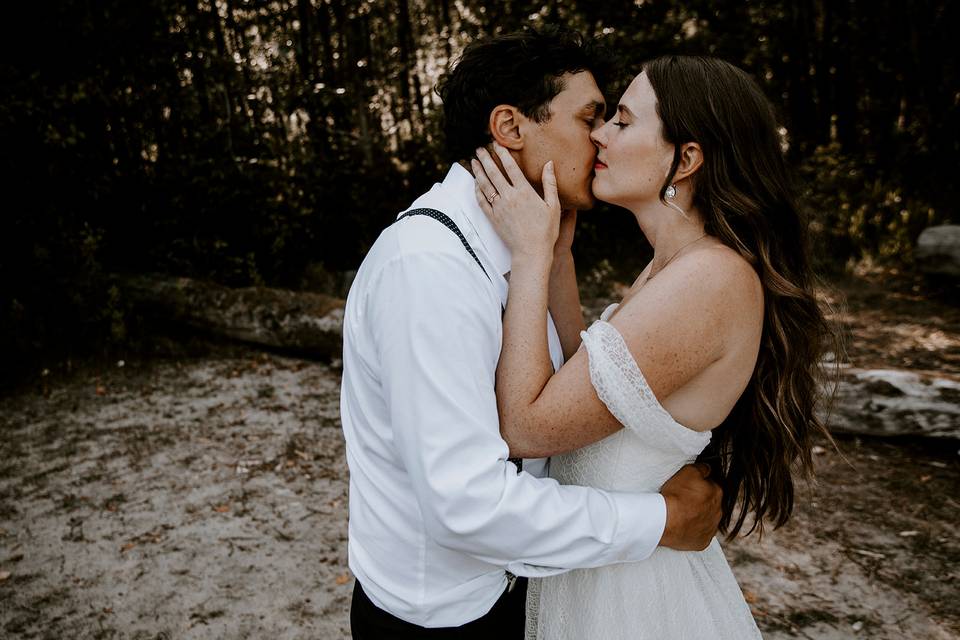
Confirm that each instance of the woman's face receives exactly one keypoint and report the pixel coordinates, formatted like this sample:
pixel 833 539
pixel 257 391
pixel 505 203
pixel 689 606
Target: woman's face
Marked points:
pixel 633 159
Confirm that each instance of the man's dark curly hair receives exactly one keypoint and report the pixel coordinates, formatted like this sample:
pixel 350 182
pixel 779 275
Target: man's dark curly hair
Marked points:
pixel 523 69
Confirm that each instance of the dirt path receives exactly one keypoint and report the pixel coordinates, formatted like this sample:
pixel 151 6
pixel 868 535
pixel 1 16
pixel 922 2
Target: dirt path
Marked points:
pixel 206 498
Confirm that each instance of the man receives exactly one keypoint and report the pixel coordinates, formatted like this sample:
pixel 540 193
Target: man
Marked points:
pixel 440 520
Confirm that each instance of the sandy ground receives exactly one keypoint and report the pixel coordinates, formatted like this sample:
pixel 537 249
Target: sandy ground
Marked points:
pixel 198 500
pixel 205 497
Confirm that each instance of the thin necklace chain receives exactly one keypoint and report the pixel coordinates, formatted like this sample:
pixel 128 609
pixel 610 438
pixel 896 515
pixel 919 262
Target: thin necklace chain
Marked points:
pixel 670 259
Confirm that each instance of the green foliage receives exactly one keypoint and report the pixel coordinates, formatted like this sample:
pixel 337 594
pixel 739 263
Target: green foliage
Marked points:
pixel 257 142
pixel 857 212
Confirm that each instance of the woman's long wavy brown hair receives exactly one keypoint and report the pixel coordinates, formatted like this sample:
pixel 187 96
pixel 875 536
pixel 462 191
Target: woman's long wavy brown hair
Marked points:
pixel 745 194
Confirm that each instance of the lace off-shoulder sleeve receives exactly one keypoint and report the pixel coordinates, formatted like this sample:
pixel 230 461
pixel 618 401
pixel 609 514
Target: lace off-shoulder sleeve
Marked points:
pixel 621 386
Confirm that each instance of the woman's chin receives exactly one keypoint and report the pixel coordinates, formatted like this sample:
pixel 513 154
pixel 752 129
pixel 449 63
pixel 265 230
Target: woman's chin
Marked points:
pixel 600 192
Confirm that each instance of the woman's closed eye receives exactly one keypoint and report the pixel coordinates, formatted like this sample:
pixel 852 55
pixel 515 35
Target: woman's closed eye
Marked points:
pixel 621 124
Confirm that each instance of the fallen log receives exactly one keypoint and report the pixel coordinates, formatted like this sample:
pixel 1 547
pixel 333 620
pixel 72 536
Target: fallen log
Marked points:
pixel 876 402
pixel 886 402
pixel 304 323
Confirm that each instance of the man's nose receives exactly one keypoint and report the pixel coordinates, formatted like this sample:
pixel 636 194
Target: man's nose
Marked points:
pixel 598 138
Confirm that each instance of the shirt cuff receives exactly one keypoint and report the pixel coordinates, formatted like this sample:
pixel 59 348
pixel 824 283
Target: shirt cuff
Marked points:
pixel 642 520
pixel 533 570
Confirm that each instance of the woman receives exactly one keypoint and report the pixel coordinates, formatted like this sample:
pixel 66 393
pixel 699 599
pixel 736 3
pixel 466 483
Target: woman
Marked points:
pixel 713 352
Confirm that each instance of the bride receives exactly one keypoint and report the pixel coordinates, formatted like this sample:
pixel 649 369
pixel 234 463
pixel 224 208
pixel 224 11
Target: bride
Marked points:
pixel 713 352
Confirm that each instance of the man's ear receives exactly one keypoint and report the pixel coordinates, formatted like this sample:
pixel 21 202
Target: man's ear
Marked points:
pixel 505 123
pixel 691 159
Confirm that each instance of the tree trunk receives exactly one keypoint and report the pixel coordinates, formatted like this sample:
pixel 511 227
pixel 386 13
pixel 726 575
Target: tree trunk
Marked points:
pixel 239 41
pixel 801 100
pixel 358 45
pixel 404 42
pixel 334 71
pixel 196 65
pixel 446 27
pixel 844 82
pixel 304 51
pixel 823 80
pixel 225 55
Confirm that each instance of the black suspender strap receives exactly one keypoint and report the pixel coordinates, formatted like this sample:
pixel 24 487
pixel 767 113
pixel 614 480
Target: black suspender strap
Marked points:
pixel 445 220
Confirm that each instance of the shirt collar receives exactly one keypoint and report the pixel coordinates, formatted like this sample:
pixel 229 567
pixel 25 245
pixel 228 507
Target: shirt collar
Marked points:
pixel 460 183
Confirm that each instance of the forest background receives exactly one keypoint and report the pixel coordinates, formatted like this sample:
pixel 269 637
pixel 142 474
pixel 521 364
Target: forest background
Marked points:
pixel 267 142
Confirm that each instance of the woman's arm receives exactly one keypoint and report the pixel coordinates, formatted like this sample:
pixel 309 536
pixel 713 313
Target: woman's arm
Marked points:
pixel 673 327
pixel 672 338
pixel 564 297
pixel 530 228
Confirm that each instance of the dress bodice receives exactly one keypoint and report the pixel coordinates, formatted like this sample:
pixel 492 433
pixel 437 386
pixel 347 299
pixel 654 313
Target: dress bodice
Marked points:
pixel 650 448
pixel 681 595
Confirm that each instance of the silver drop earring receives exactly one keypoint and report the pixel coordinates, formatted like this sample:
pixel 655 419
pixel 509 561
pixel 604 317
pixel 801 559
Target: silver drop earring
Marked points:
pixel 671 192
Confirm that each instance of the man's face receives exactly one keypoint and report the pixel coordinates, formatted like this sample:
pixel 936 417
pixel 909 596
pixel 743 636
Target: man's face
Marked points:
pixel 565 139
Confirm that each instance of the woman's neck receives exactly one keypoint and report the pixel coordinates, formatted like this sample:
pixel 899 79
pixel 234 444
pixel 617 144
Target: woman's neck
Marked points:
pixel 667 230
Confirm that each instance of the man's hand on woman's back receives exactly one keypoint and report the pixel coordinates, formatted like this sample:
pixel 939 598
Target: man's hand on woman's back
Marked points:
pixel 693 509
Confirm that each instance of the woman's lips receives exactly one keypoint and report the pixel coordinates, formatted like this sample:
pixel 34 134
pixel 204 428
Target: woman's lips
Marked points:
pixel 598 165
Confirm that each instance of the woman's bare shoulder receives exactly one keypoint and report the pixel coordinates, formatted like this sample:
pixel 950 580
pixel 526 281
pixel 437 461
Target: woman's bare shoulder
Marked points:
pixel 723 259
pixel 723 272
pixel 685 318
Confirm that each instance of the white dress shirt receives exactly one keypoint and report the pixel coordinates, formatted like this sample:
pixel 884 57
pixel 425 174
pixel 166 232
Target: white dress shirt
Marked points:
pixel 437 513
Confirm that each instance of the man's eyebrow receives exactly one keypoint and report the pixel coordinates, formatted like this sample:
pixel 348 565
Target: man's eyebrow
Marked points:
pixel 594 108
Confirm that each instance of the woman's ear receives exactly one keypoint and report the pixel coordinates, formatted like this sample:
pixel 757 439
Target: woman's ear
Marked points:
pixel 691 159
pixel 505 123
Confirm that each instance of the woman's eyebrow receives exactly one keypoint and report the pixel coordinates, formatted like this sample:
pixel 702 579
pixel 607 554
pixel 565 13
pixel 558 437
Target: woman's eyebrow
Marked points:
pixel 624 109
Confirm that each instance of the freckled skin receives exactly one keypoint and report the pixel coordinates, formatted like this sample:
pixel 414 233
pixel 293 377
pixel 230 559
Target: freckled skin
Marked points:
pixel 637 156
pixel 694 329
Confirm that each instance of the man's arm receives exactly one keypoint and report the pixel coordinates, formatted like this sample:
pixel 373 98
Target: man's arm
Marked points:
pixel 436 327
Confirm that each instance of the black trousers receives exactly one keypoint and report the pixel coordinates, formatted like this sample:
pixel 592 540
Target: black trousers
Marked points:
pixel 505 621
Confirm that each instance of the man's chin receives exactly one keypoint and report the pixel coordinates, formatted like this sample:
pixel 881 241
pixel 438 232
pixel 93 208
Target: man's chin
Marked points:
pixel 580 203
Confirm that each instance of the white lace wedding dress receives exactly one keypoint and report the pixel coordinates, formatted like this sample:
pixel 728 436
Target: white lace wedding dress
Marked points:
pixel 673 595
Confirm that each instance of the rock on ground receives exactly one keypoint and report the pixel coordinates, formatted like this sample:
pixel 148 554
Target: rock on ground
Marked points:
pixel 938 250
pixel 889 402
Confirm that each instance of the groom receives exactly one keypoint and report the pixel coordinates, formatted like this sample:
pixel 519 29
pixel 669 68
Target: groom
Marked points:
pixel 441 521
